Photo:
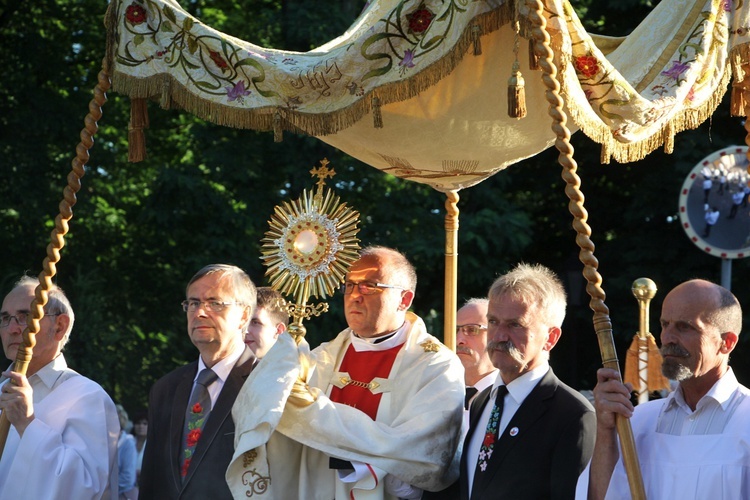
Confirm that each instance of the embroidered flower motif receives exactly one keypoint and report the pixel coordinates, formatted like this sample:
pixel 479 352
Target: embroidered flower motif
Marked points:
pixel 489 440
pixel 727 5
pixel 135 14
pixel 676 71
pixel 238 92
pixel 407 62
pixel 218 60
pixel 193 437
pixel 197 408
pixel 587 66
pixel 420 20
pixel 185 466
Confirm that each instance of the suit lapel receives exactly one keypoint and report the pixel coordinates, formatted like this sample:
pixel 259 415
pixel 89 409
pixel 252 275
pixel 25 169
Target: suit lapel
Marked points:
pixel 177 424
pixel 532 409
pixel 223 408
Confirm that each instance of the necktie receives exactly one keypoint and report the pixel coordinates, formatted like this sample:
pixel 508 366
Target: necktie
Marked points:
pixel 490 435
pixel 470 392
pixel 196 416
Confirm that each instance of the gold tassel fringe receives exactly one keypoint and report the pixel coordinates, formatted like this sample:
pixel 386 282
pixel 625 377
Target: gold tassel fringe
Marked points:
pixel 655 380
pixel 166 93
pixel 476 38
pixel 533 58
pixel 738 102
pixel 136 135
pixel 377 114
pixel 278 132
pixel 516 94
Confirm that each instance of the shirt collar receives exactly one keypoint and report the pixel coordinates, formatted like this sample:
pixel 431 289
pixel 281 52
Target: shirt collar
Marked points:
pixel 50 372
pixel 224 366
pixel 721 392
pixel 487 380
pixel 523 385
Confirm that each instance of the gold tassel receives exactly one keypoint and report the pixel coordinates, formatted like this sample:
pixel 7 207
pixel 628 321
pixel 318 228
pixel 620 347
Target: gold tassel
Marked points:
pixel 516 94
pixel 669 138
pixel 166 92
pixel 631 365
pixel 606 153
pixel 533 58
pixel 655 380
pixel 136 136
pixel 476 38
pixel 738 102
pixel 377 115
pixel 278 132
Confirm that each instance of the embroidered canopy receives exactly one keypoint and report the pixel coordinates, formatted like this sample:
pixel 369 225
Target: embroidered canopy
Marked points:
pixel 417 88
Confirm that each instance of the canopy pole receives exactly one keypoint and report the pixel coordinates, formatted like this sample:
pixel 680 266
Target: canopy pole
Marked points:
pixel 601 320
pixel 451 269
pixel 57 240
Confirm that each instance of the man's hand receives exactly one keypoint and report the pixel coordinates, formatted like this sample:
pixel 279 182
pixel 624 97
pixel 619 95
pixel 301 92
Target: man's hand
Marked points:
pixel 611 397
pixel 16 401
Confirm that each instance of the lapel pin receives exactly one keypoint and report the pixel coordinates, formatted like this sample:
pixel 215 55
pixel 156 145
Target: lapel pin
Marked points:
pixel 514 431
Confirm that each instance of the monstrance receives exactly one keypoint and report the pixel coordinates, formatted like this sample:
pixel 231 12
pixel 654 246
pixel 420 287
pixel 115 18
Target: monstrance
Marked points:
pixel 309 247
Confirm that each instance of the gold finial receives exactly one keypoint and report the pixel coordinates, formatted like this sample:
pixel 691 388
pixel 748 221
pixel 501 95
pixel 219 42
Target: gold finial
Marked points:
pixel 644 289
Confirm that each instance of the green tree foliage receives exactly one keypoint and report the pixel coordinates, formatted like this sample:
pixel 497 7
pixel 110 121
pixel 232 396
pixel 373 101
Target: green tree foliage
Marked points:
pixel 206 192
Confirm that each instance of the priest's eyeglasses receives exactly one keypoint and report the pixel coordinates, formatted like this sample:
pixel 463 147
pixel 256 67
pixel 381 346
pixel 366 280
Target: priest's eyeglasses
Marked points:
pixel 470 330
pixel 216 306
pixel 21 318
pixel 366 287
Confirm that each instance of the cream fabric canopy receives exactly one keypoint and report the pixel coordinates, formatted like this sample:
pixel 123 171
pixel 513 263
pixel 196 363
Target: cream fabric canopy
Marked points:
pixel 436 72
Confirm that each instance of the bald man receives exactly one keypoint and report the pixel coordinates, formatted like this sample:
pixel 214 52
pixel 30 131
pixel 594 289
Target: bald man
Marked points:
pixel 694 443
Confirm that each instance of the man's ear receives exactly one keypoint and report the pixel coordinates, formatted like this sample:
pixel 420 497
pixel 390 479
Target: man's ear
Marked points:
pixel 407 296
pixel 62 321
pixel 280 328
pixel 553 335
pixel 729 342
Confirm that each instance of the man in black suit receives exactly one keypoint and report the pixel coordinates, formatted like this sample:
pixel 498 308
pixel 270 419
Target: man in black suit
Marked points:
pixel 190 444
pixel 541 436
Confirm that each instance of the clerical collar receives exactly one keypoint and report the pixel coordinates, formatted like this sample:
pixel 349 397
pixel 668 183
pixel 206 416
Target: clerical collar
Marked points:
pixel 380 343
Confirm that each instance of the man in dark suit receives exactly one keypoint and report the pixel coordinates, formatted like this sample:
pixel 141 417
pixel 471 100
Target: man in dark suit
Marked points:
pixel 536 437
pixel 191 440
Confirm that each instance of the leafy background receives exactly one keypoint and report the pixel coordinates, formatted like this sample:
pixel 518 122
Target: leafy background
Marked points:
pixel 205 194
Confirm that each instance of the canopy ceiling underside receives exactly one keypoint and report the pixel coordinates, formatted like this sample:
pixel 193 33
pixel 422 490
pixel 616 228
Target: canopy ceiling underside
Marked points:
pixel 443 108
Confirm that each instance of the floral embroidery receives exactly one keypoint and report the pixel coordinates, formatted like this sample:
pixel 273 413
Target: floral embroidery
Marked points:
pixel 185 466
pixel 218 60
pixel 676 71
pixel 238 92
pixel 408 61
pixel 420 20
pixel 135 14
pixel 193 437
pixel 490 437
pixel 587 66
pixel 197 408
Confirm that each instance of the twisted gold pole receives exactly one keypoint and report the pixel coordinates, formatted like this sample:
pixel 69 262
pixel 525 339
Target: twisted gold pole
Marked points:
pixel 57 240
pixel 602 324
pixel 451 269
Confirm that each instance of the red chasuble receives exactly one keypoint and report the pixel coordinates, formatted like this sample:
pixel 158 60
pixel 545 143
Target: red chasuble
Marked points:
pixel 362 367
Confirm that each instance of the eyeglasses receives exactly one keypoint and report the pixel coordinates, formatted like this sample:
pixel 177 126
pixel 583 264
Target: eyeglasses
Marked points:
pixel 209 305
pixel 470 330
pixel 21 318
pixel 366 287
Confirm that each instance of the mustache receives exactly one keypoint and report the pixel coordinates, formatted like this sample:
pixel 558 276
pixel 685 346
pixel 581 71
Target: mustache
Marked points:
pixel 674 350
pixel 464 349
pixel 501 345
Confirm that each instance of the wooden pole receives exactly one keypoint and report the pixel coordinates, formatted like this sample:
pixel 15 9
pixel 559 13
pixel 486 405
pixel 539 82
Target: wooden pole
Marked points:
pixel 451 269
